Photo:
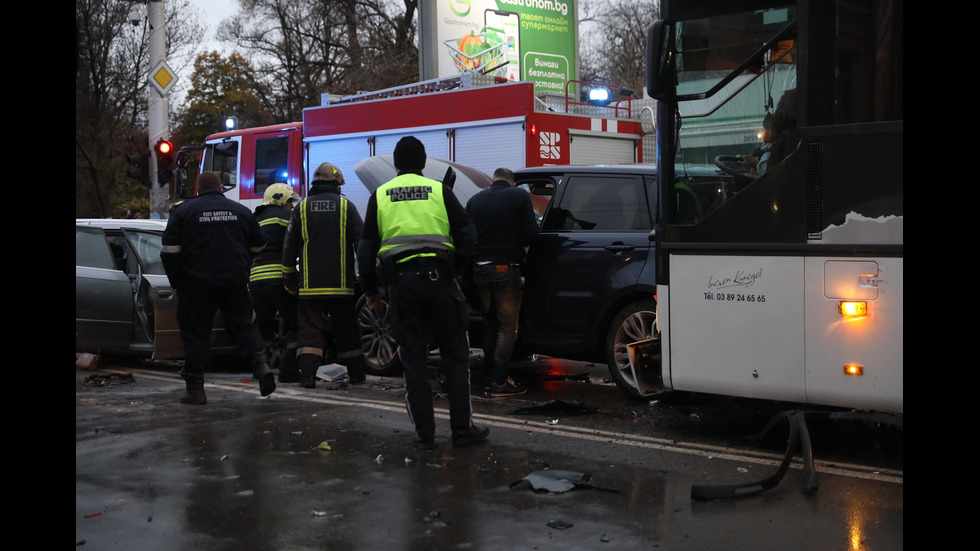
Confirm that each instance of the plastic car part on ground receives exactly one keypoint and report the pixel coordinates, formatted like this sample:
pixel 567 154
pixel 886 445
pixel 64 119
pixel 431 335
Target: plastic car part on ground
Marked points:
pixel 556 481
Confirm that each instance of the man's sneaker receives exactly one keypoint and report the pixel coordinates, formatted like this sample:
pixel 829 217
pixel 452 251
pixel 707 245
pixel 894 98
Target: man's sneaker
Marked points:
pixel 470 435
pixel 424 443
pixel 507 388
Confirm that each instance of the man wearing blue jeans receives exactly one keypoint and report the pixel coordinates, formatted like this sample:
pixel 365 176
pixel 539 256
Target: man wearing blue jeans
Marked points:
pixel 505 226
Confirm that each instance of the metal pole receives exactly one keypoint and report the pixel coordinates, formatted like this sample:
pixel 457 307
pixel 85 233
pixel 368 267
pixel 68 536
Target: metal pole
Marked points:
pixel 159 111
pixel 428 41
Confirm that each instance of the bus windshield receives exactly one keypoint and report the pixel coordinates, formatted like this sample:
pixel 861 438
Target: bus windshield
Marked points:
pixel 745 85
pixel 732 73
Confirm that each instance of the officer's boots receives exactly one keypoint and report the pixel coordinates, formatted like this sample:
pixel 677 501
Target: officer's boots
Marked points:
pixel 308 365
pixel 194 393
pixel 355 369
pixel 264 373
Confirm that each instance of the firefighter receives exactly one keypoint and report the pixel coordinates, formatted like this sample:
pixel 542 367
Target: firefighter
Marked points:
pixel 420 232
pixel 265 281
pixel 321 238
pixel 207 251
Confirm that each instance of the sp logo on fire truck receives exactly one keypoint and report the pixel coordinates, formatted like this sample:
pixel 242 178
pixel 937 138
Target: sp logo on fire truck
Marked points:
pixel 549 145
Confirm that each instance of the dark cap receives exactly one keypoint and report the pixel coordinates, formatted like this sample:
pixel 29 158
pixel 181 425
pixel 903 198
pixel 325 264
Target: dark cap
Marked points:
pixel 409 154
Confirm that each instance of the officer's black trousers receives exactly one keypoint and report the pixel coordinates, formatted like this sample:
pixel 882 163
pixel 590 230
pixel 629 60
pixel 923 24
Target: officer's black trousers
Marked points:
pixel 432 303
pixel 196 308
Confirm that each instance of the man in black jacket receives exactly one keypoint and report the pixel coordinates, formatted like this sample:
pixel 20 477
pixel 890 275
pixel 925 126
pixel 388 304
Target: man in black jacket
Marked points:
pixel 505 226
pixel 322 235
pixel 207 251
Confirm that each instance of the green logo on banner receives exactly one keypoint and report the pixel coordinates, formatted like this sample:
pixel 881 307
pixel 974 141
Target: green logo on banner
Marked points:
pixel 464 7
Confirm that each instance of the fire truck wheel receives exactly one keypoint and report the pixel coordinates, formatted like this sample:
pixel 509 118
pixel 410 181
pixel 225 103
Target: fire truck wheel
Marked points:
pixel 634 322
pixel 377 340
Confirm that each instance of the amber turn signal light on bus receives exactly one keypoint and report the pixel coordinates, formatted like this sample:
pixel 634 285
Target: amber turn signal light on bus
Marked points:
pixel 852 308
pixel 853 369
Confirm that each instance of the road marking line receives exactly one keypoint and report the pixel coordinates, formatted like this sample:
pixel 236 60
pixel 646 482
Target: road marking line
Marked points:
pixel 581 433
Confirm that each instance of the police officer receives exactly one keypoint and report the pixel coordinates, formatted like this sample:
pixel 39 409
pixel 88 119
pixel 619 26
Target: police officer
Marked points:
pixel 265 281
pixel 323 231
pixel 419 231
pixel 207 251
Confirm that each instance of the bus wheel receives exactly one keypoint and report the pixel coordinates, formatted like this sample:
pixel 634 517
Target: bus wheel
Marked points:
pixel 635 322
pixel 377 340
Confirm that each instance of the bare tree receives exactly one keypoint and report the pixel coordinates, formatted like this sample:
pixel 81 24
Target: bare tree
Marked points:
pixel 111 94
pixel 220 87
pixel 614 42
pixel 303 48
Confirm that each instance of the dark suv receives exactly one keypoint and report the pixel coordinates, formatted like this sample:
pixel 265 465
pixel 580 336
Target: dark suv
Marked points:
pixel 589 279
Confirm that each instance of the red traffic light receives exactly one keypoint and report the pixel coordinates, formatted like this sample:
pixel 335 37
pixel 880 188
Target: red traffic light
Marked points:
pixel 164 147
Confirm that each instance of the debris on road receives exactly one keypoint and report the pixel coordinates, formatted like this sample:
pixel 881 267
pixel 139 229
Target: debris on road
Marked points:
pixel 556 481
pixel 333 373
pixel 556 406
pixel 559 524
pixel 110 379
pixel 86 361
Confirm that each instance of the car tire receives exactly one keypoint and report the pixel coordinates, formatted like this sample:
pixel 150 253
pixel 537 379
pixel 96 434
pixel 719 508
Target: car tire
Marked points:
pixel 377 339
pixel 634 322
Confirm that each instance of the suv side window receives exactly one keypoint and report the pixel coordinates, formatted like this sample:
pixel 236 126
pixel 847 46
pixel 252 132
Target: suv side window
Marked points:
pixel 600 203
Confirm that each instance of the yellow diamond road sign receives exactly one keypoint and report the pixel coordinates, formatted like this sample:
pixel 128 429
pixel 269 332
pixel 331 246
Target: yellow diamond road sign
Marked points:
pixel 162 78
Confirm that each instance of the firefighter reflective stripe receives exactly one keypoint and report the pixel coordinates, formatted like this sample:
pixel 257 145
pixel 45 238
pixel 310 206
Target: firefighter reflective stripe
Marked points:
pixel 265 271
pixel 328 292
pixel 274 221
pixel 412 217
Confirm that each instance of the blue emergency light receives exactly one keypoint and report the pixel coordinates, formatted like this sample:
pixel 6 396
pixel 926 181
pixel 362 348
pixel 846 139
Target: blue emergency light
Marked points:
pixel 599 96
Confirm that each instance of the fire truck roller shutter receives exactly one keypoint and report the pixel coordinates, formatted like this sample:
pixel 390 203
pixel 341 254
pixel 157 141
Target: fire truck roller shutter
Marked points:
pixel 589 149
pixel 344 153
pixel 436 142
pixel 490 147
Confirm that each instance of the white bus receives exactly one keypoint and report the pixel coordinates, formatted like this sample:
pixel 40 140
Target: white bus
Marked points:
pixel 788 283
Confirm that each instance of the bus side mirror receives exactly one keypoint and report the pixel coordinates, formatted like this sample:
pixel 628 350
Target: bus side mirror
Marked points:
pixel 180 182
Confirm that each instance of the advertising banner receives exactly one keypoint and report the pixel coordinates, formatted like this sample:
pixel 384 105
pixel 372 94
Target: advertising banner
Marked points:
pixel 515 39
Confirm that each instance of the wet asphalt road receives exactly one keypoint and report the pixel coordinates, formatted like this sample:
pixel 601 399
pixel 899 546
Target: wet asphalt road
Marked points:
pixel 334 469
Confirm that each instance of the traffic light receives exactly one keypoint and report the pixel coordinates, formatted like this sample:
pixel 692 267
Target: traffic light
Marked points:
pixel 139 168
pixel 165 162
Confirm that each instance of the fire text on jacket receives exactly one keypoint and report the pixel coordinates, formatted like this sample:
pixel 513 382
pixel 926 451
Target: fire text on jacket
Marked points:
pixel 323 205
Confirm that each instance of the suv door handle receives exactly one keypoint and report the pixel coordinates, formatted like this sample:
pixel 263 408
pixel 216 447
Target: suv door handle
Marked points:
pixel 619 247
